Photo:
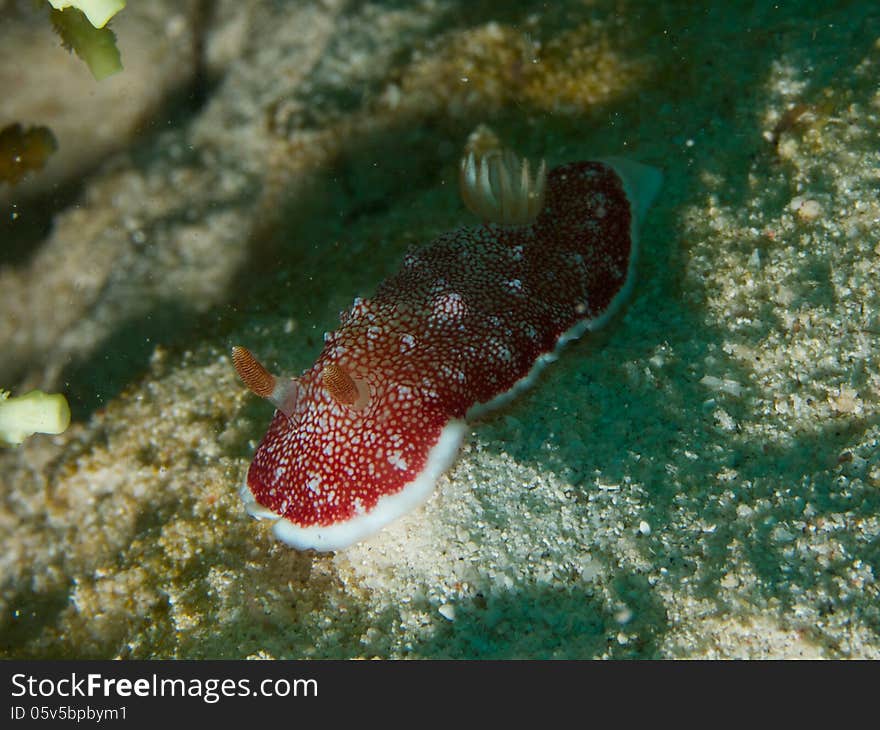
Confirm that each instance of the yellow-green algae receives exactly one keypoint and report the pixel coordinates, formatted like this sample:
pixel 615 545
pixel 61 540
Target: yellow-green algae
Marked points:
pixel 95 46
pixel 98 12
pixel 33 412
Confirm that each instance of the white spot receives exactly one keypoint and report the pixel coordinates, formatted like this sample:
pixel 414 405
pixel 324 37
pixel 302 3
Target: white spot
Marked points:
pixel 314 485
pixel 447 611
pixel 449 306
pixel 731 387
pixel 395 458
pixel 807 209
pixel 407 342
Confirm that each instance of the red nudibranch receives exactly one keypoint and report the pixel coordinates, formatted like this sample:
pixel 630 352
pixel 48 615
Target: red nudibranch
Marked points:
pixel 361 437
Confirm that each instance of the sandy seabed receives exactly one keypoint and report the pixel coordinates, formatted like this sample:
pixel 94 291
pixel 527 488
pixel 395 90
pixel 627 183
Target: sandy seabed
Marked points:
pixel 700 479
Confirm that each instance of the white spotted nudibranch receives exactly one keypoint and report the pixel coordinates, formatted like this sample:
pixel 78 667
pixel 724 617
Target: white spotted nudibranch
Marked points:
pixel 362 436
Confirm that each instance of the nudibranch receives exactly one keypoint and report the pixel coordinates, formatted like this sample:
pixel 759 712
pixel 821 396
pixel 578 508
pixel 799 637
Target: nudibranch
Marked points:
pixel 362 436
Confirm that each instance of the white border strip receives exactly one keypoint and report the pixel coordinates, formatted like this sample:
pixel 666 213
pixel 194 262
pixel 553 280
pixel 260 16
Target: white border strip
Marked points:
pixel 387 509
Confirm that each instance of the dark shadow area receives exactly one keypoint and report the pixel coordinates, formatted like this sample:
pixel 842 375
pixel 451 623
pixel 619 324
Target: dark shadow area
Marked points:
pixel 28 614
pixel 123 358
pixel 579 623
pixel 29 223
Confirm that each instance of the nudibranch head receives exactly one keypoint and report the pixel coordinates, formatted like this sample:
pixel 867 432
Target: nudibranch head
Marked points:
pixel 358 449
pixel 497 185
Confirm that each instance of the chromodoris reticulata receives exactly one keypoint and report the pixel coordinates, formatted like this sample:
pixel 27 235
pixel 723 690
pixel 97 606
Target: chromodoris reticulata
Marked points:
pixel 362 436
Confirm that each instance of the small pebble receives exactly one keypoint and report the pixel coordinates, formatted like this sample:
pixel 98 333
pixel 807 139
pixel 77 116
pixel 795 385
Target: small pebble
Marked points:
pixel 806 208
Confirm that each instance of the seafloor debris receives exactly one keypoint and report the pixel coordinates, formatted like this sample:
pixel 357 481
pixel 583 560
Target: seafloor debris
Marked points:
pixel 95 46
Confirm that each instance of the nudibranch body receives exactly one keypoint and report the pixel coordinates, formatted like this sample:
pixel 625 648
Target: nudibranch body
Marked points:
pixel 362 436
